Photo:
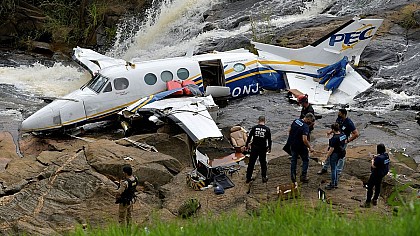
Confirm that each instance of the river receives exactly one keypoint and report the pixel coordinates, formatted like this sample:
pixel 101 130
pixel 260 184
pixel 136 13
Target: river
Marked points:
pixel 171 28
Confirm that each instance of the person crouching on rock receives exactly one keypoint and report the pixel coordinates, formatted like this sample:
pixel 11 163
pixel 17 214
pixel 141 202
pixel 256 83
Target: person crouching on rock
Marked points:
pixel 299 145
pixel 379 169
pixel 126 196
pixel 261 144
pixel 336 151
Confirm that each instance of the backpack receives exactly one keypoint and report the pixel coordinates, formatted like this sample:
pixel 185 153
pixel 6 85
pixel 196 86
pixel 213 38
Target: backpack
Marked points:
pixel 386 165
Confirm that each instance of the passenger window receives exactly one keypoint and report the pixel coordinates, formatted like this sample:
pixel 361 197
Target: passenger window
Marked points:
pixel 120 83
pixel 239 67
pixel 108 88
pixel 183 73
pixel 166 76
pixel 150 79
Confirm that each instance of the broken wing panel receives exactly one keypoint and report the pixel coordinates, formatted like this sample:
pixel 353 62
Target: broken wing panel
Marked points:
pixel 94 61
pixel 352 85
pixel 191 114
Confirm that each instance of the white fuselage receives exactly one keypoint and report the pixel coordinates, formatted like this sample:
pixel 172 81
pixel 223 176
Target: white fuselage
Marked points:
pixel 118 84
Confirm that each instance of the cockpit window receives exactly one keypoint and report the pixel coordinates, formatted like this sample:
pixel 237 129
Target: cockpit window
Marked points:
pixel 108 88
pixel 97 83
pixel 121 83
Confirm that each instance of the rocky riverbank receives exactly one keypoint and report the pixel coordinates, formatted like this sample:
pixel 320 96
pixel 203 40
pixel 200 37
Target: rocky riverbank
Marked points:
pixel 62 182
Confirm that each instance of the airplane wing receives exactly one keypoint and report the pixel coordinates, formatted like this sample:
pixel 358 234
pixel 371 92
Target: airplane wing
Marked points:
pixel 189 113
pixel 93 61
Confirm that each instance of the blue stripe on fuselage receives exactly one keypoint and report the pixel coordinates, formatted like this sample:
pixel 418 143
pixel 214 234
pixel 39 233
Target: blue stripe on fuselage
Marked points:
pixel 252 81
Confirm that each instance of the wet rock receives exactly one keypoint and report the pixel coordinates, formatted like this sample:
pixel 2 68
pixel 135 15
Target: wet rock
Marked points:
pixel 416 15
pixel 209 27
pixel 239 21
pixel 42 48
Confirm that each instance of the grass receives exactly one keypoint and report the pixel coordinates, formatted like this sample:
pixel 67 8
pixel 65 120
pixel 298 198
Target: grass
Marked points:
pixel 408 20
pixel 282 219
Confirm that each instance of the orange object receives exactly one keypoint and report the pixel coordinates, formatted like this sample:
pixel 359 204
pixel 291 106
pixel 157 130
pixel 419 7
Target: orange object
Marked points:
pixel 174 85
pixel 186 89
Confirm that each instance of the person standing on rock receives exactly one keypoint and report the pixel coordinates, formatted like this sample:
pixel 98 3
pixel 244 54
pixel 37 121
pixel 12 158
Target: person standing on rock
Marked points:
pixel 379 169
pixel 347 127
pixel 260 135
pixel 306 108
pixel 126 196
pixel 335 152
pixel 299 145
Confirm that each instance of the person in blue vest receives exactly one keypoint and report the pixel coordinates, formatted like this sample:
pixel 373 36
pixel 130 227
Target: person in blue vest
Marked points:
pixel 335 152
pixel 126 196
pixel 299 146
pixel 260 135
pixel 349 129
pixel 379 169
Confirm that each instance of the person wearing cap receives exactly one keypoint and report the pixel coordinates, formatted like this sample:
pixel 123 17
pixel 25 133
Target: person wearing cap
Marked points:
pixel 349 129
pixel 126 196
pixel 260 135
pixel 306 108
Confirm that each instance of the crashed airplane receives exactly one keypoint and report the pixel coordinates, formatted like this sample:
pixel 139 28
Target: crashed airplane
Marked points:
pixel 323 70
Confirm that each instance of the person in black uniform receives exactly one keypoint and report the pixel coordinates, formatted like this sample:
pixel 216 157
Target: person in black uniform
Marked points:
pixel 306 108
pixel 349 129
pixel 335 152
pixel 299 145
pixel 261 144
pixel 379 169
pixel 126 195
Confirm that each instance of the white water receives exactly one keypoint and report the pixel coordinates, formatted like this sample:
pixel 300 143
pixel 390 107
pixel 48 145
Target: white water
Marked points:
pixel 41 80
pixel 178 26
pixel 165 30
pixel 168 31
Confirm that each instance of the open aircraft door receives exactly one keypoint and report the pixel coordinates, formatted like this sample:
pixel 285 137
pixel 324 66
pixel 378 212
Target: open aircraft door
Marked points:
pixel 214 81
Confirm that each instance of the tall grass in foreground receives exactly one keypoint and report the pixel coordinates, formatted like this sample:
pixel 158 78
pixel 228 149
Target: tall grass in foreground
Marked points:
pixel 282 219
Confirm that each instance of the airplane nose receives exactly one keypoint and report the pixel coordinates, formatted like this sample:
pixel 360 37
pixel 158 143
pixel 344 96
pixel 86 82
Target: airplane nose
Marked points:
pixel 44 119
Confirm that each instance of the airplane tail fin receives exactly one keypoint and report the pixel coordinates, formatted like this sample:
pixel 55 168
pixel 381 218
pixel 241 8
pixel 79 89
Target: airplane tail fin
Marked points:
pixel 348 40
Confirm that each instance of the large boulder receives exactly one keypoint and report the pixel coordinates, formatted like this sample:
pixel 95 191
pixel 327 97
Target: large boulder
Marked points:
pixel 178 146
pixel 20 169
pixel 72 194
pixel 107 157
